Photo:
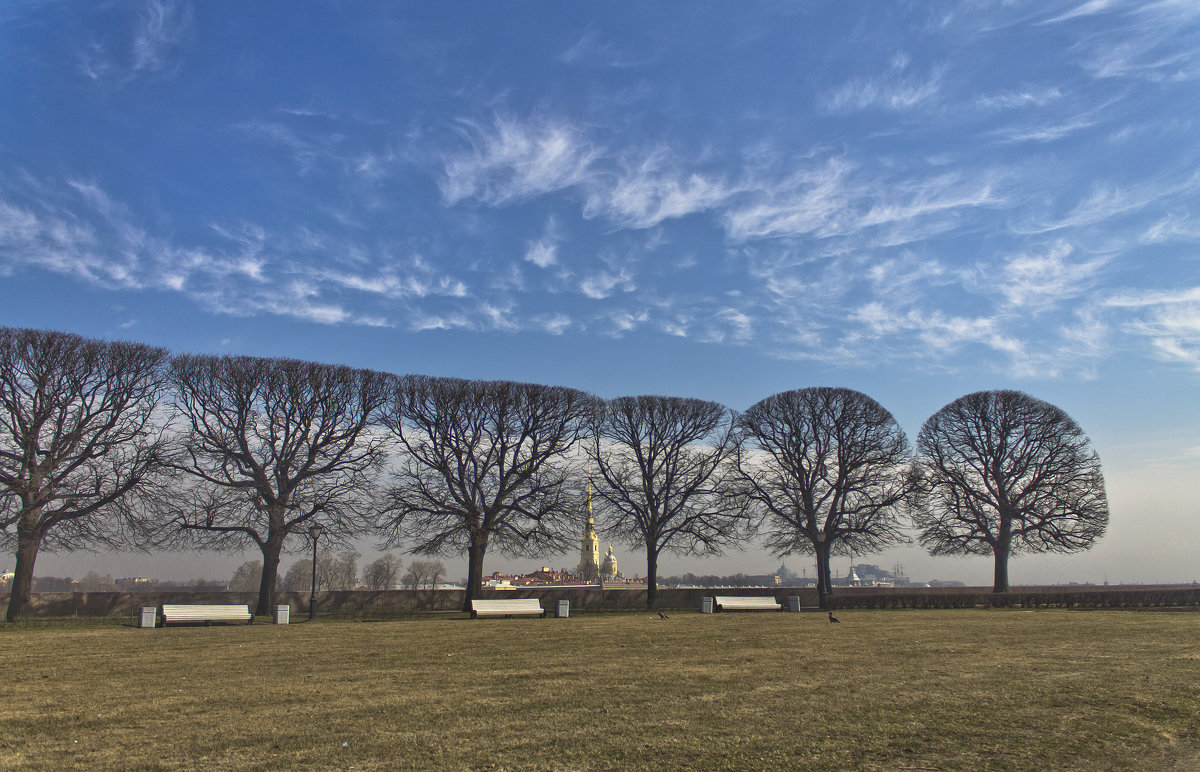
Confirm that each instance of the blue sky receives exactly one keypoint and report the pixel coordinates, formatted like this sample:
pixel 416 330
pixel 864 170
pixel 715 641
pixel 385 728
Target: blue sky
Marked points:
pixel 721 200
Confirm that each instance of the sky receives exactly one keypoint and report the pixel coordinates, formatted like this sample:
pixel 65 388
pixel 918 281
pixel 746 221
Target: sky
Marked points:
pixel 720 200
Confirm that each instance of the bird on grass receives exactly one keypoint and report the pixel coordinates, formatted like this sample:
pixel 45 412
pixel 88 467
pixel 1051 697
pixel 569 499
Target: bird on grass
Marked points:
pixel 663 616
pixel 833 619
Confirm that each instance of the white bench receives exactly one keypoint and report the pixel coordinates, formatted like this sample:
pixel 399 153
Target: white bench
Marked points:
pixel 507 607
pixel 746 603
pixel 187 613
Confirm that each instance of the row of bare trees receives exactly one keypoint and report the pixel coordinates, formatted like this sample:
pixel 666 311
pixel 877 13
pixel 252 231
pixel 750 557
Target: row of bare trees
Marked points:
pixel 339 571
pixel 118 443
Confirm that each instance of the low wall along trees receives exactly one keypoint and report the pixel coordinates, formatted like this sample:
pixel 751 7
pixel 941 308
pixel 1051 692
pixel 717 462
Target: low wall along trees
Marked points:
pixel 383 603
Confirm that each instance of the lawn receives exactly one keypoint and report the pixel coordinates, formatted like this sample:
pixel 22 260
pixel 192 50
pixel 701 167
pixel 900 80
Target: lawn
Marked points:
pixel 985 689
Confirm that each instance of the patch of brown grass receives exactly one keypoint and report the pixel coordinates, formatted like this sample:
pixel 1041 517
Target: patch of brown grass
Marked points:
pixel 992 689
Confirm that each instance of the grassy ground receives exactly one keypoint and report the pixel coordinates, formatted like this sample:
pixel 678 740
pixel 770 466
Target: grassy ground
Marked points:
pixel 995 689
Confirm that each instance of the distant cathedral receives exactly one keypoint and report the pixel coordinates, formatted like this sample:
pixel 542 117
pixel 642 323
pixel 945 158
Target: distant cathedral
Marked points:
pixel 608 569
pixel 589 552
pixel 590 568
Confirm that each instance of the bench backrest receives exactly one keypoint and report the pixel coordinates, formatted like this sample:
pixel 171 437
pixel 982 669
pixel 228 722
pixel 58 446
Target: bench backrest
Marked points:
pixel 507 605
pixel 190 612
pixel 747 602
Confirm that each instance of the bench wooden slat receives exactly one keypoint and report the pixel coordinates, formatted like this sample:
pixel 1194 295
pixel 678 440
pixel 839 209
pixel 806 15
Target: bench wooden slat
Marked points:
pixel 507 607
pixel 180 613
pixel 747 603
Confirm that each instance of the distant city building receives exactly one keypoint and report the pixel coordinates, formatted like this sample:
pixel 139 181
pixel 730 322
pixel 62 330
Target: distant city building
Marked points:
pixel 588 569
pixel 591 569
pixel 608 571
pixel 543 577
pixel 133 582
pixel 871 575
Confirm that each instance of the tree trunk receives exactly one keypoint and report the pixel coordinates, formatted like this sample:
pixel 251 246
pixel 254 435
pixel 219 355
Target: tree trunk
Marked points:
pixel 19 600
pixel 475 555
pixel 824 583
pixel 1001 550
pixel 270 571
pixel 651 576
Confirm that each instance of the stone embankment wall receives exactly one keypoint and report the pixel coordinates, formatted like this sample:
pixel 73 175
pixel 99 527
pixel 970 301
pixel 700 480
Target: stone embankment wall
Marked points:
pixel 366 603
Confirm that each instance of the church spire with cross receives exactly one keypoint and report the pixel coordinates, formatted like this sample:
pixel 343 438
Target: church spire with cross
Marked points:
pixel 589 547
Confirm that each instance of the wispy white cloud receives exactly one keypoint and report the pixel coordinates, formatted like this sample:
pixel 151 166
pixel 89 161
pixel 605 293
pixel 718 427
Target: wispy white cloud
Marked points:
pixel 739 324
pixel 498 316
pixel 1141 42
pixel 421 322
pixel 1172 227
pixel 677 326
pixel 601 284
pixel 79 230
pixel 648 192
pixel 1153 298
pixel 1026 97
pixel 906 277
pixel 829 200
pixel 300 299
pixel 1140 59
pixel 305 152
pixel 554 324
pixel 1169 319
pixel 544 251
pixel 623 321
pixel 893 91
pixel 1106 202
pixel 931 196
pixel 1044 132
pixel 1036 281
pixel 933 337
pixel 591 49
pixel 811 201
pixel 161 27
pixel 1088 8
pixel 411 285
pixel 153 45
pixel 512 161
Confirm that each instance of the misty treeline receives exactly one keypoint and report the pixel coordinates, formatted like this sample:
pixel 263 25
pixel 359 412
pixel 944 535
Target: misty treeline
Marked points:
pixel 123 445
pixel 339 571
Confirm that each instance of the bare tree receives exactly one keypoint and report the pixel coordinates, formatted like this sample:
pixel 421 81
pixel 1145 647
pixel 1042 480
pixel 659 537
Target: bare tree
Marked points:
pixel 434 574
pixel 414 575
pixel 665 465
pixel 81 446
pixel 343 571
pixel 1005 473
pixel 247 576
pixel 829 470
pixel 424 574
pixel 298 577
pixel 325 571
pixel 275 446
pixel 486 465
pixel 381 574
pixel 95 582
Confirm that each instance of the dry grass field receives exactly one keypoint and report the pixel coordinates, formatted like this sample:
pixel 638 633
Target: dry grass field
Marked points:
pixel 903 690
